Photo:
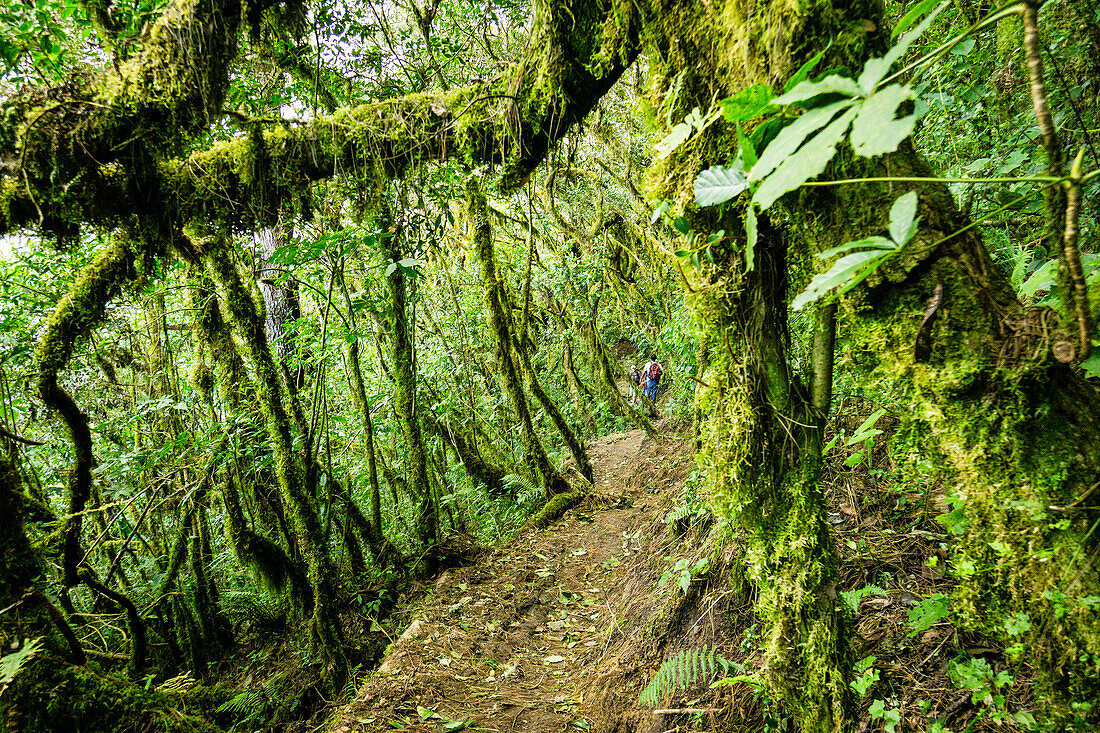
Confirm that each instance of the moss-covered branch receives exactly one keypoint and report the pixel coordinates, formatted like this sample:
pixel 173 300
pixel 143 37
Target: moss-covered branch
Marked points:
pixel 76 315
pixel 63 157
pixel 274 568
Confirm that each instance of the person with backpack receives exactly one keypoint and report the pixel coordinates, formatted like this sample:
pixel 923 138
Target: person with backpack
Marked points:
pixel 651 374
pixel 635 383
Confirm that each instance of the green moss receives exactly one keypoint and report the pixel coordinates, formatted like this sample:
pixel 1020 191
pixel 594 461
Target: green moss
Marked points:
pixel 555 506
pixel 500 320
pixel 757 453
pixel 1017 435
pixel 244 314
pixel 49 695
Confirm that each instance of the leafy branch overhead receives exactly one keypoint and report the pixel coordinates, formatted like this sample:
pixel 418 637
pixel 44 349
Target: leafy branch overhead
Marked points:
pixel 836 107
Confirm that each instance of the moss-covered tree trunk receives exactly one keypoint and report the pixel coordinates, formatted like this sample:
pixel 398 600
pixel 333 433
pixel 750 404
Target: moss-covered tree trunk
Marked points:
pixel 1017 431
pixel 500 320
pixel 759 435
pixel 246 319
pixel 605 378
pixel 405 392
pixel 576 447
pixel 577 390
pixel 760 449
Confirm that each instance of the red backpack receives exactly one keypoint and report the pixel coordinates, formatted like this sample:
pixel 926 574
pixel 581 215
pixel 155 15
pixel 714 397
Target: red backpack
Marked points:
pixel 654 372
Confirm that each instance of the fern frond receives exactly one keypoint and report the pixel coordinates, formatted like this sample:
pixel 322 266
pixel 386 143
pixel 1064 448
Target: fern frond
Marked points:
pixel 521 488
pixel 680 672
pixel 852 598
pixel 241 703
pixel 678 513
pixel 10 664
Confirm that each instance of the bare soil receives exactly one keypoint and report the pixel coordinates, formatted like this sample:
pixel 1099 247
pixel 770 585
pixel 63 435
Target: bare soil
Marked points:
pixel 510 642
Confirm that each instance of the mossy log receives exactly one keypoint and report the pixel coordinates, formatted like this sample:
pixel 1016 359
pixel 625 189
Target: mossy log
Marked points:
pixel 556 506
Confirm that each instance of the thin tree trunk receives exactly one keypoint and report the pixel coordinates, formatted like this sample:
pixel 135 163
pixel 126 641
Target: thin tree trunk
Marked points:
pixel 405 397
pixel 552 482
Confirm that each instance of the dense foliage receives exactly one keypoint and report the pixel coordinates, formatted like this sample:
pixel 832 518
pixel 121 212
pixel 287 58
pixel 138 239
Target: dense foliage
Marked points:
pixel 302 302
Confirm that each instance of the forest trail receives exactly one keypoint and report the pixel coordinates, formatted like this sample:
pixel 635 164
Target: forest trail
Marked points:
pixel 509 643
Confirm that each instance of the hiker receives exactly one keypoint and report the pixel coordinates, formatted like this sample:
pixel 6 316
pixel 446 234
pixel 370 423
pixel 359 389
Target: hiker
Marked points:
pixel 651 374
pixel 635 383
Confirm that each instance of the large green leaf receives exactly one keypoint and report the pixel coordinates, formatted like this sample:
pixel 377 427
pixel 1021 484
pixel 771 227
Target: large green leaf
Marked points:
pixel 803 72
pixel 1091 366
pixel 911 15
pixel 876 129
pixel 830 84
pixel 875 242
pixel 808 162
pixel 747 104
pixel 1044 278
pixel 792 136
pixel 846 273
pixel 719 184
pixel 904 219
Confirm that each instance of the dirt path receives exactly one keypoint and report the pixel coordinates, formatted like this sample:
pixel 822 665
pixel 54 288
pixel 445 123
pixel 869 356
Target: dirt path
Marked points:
pixel 508 643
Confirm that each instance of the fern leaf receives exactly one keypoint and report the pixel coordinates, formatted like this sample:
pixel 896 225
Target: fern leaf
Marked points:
pixel 680 672
pixel 852 598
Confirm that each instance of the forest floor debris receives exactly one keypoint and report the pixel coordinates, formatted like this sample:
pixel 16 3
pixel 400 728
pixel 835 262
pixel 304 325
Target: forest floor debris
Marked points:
pixel 560 629
pixel 504 643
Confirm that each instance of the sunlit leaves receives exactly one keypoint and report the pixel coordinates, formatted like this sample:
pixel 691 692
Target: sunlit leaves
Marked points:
pixel 904 219
pixel 848 271
pixel 719 184
pixel 875 70
pixel 10 664
pixel 37 38
pixel 804 147
pixel 792 136
pixel 677 137
pixel 810 89
pixel 803 72
pixel 876 130
pixel 807 163
pixel 911 16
